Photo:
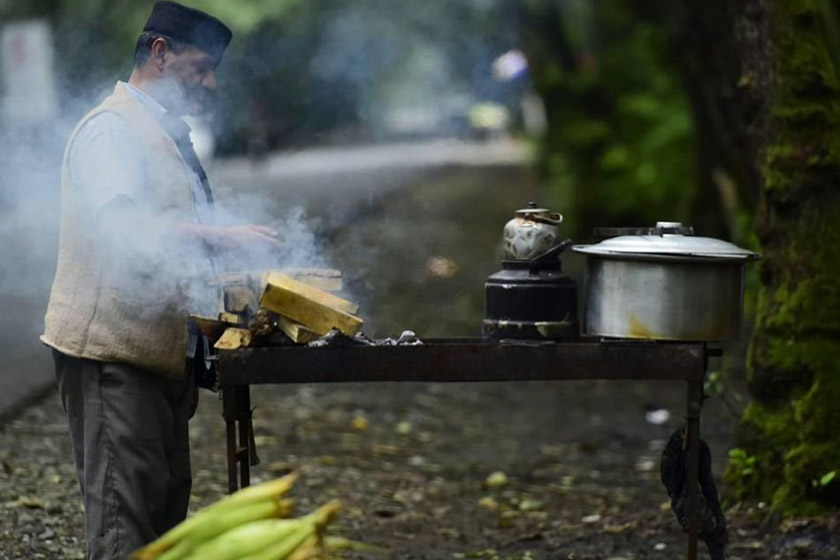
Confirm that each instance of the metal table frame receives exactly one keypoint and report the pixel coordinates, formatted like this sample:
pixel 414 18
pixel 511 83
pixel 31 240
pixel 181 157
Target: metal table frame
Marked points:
pixel 461 360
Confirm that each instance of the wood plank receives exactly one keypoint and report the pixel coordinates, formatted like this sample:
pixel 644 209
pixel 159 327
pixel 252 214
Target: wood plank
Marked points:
pixel 297 332
pixel 277 279
pixel 231 319
pixel 233 339
pixel 316 309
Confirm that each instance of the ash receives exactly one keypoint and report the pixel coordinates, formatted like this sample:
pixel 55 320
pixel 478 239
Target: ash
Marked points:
pixel 336 338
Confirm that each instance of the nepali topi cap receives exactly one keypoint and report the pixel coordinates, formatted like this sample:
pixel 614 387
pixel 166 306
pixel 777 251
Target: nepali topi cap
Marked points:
pixel 190 26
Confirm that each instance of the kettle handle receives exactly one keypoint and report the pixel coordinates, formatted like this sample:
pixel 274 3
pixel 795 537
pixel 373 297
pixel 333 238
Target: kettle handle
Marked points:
pixel 549 255
pixel 552 219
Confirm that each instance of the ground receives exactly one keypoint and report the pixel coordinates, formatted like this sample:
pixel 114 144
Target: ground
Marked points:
pixel 581 459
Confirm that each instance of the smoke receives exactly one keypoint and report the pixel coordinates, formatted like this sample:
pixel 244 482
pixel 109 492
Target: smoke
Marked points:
pixel 141 254
pixel 30 158
pixel 28 206
pixel 398 63
pixel 300 244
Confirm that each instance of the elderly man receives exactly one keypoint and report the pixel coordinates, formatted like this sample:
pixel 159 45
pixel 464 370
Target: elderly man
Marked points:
pixel 135 228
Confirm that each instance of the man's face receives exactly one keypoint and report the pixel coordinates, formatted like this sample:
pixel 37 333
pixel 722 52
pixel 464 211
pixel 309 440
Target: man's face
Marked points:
pixel 190 80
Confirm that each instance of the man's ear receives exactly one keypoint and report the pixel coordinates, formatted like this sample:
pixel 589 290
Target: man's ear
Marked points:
pixel 158 55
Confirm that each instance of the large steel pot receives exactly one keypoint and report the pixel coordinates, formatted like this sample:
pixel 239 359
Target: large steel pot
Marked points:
pixel 663 283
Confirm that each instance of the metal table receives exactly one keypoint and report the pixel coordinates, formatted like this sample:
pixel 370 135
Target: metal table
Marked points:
pixel 460 360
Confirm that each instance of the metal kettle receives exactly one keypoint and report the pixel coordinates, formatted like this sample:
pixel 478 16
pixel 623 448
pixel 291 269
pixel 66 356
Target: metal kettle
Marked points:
pixel 531 232
pixel 531 297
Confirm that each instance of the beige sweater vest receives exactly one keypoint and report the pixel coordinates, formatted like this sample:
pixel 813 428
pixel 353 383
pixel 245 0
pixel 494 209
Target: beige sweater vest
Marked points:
pixel 91 314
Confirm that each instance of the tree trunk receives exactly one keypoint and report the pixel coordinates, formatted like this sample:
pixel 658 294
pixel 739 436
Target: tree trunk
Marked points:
pixel 791 431
pixel 704 34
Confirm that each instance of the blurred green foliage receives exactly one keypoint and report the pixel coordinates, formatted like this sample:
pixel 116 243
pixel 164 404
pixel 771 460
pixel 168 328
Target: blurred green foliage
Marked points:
pixel 297 72
pixel 329 71
pixel 619 148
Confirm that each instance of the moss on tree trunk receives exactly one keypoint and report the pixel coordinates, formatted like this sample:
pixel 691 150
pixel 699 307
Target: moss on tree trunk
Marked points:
pixel 792 428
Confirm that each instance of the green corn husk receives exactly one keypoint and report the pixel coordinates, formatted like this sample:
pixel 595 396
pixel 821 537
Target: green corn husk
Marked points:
pixel 181 550
pixel 313 528
pixel 220 523
pixel 283 548
pixel 193 528
pixel 311 548
pixel 272 488
pixel 337 544
pixel 249 539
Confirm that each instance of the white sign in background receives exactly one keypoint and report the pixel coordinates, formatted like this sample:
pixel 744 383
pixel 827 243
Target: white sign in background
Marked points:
pixel 29 91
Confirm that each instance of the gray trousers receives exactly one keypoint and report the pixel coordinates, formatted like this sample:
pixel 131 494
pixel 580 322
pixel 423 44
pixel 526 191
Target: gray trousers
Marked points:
pixel 131 444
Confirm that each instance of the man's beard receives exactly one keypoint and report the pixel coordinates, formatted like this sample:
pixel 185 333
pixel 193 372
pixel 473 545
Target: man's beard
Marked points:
pixel 185 100
pixel 202 101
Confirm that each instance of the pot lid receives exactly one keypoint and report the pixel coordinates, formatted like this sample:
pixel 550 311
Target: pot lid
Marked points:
pixel 659 243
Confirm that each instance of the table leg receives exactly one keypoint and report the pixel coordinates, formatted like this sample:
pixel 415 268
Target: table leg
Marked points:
pixel 229 413
pixel 244 452
pixel 695 403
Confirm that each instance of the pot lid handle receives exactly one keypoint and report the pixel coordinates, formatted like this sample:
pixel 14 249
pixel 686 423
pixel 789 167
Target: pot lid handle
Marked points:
pixel 661 228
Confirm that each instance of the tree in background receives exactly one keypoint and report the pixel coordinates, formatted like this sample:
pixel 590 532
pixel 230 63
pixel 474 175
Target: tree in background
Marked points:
pixel 698 111
pixel 619 149
pixel 791 432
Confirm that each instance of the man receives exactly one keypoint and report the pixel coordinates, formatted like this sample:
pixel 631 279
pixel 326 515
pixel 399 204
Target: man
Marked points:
pixel 135 231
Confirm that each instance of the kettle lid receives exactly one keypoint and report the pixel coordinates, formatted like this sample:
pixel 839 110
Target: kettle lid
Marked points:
pixel 532 209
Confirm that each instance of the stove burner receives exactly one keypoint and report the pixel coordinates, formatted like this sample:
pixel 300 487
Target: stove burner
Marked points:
pixel 532 299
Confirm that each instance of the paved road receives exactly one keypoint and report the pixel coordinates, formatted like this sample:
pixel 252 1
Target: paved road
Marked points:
pixel 26 372
pixel 333 184
pixel 324 166
pixel 336 183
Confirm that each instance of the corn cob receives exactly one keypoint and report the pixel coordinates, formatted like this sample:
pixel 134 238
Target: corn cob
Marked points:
pixel 216 518
pixel 317 547
pixel 311 548
pixel 272 488
pixel 248 539
pixel 313 526
pixel 285 508
pixel 180 550
pixel 280 550
pixel 218 524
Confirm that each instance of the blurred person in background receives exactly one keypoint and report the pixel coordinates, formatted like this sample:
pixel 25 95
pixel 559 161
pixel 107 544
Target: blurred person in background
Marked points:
pixel 136 226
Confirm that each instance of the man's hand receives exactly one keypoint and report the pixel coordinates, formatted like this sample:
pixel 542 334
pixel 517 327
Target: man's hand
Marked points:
pixel 246 248
pixel 234 238
pixel 250 236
